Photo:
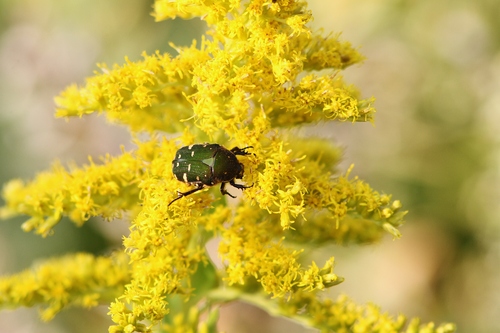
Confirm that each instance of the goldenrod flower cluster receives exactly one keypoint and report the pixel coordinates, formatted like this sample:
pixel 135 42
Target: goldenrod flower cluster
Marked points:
pixel 73 280
pixel 257 75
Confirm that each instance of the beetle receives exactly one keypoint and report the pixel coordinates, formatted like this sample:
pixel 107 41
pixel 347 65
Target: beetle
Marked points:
pixel 208 164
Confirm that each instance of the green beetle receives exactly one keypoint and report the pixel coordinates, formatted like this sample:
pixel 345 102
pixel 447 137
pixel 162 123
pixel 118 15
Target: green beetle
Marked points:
pixel 208 164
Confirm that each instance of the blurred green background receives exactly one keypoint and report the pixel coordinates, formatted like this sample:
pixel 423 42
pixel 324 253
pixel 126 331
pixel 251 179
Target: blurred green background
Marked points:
pixel 434 68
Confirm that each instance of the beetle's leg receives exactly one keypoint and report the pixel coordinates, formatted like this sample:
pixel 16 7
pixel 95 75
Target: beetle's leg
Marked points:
pixel 198 187
pixel 223 190
pixel 239 186
pixel 241 151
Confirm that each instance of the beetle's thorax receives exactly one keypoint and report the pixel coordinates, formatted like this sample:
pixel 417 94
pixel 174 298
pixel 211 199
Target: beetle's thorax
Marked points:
pixel 226 167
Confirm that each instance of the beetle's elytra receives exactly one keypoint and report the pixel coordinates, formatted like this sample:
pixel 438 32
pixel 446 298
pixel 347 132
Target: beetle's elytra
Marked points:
pixel 208 164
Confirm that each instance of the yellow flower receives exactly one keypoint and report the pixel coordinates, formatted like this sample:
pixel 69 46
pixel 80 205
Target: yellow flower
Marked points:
pixel 259 72
pixel 74 280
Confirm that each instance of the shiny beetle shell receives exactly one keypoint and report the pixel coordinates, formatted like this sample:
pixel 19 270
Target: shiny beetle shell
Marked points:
pixel 208 164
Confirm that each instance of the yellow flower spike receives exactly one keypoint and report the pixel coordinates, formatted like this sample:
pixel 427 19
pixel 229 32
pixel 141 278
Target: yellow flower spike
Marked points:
pixel 258 75
pixel 286 203
pixel 73 280
pixel 297 23
pixel 315 278
pixel 142 97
